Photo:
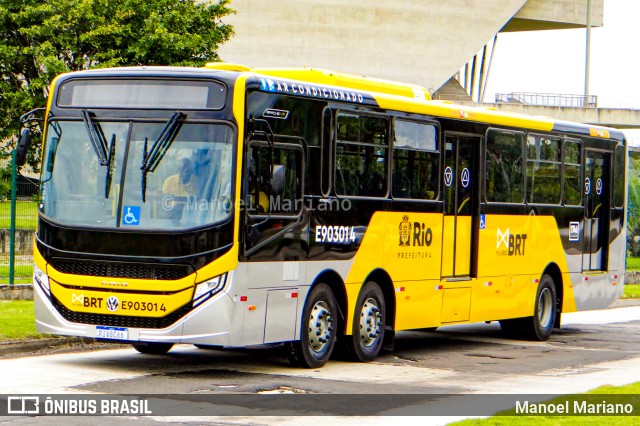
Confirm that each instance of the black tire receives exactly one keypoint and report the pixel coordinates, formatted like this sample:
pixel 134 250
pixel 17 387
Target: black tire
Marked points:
pixel 318 330
pixel 368 326
pixel 152 348
pixel 512 327
pixel 540 325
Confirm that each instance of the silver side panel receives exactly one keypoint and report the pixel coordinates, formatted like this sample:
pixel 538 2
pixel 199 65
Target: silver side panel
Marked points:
pixel 276 292
pixel 598 290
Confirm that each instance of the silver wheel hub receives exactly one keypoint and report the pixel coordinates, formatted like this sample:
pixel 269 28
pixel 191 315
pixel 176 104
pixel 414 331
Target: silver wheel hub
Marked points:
pixel 545 306
pixel 320 326
pixel 370 322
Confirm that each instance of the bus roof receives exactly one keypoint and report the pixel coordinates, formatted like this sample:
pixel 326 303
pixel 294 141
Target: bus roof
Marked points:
pixel 388 94
pixel 414 98
pixel 332 78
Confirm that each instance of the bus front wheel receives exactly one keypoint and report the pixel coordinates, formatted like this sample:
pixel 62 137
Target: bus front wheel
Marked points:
pixel 152 348
pixel 368 326
pixel 318 330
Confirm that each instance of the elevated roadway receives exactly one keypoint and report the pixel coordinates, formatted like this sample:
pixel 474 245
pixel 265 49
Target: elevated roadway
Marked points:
pixel 612 117
pixel 423 42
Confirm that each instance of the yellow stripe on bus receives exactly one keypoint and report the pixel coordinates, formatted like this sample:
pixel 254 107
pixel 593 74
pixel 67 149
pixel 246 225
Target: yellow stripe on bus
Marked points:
pixel 114 303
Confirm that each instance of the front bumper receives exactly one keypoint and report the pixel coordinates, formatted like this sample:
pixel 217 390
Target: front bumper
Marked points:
pixel 215 322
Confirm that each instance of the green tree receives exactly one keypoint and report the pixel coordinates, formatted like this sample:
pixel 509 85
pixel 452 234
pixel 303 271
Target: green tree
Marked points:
pixel 40 39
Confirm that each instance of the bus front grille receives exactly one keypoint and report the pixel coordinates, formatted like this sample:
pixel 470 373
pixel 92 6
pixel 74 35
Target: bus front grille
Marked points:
pixel 119 320
pixel 121 269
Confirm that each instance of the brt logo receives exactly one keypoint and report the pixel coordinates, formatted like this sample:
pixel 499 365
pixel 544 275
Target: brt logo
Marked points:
pixel 87 302
pixel 514 244
pixel 416 234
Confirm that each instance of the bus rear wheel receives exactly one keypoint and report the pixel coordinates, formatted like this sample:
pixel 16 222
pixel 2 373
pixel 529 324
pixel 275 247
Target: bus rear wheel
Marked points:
pixel 152 348
pixel 368 326
pixel 540 325
pixel 317 330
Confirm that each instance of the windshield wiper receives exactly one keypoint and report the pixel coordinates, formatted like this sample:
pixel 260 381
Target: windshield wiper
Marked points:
pixel 106 155
pixel 152 158
pixel 110 166
pixel 96 136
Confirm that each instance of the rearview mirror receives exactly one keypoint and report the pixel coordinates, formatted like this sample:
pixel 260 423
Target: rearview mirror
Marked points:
pixel 278 179
pixel 23 147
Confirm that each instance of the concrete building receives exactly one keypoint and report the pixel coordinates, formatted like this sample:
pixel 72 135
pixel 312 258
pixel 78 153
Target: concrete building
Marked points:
pixel 425 42
pixel 444 46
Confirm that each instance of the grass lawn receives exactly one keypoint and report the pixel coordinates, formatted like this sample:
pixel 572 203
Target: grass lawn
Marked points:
pixel 26 214
pixel 17 320
pixel 16 280
pixel 507 419
pixel 631 291
pixel 23 274
pixel 633 263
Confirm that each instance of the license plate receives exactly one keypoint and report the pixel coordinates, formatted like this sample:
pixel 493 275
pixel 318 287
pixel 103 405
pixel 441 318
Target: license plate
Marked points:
pixel 115 333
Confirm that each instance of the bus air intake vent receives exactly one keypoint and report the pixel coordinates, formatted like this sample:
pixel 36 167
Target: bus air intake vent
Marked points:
pixel 121 269
pixel 120 320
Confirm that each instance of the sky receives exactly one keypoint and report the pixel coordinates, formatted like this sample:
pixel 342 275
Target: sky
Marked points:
pixel 554 61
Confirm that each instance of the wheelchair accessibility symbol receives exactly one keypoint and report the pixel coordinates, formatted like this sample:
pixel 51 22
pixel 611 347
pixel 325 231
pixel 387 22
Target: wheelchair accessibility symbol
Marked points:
pixel 131 215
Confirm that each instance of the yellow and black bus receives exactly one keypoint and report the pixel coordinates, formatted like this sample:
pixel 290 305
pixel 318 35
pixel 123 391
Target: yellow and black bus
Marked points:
pixel 228 206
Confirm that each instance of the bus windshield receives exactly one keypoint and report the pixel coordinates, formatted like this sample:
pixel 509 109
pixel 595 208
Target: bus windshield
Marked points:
pixel 189 185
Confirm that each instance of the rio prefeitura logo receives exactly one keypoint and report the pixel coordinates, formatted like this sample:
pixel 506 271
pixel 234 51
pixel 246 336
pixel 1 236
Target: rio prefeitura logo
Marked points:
pixel 405 231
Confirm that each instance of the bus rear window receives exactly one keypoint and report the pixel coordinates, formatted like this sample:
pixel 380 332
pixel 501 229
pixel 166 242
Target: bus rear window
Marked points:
pixel 129 93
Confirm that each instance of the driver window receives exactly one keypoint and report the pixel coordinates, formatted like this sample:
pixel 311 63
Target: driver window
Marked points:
pixel 274 187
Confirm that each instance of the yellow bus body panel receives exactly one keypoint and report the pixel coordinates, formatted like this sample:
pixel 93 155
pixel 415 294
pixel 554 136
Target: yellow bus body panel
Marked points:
pixel 512 253
pixel 456 304
pixel 458 112
pixel 448 237
pixel 463 245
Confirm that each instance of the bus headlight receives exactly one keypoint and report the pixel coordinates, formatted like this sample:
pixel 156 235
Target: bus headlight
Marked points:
pixel 208 288
pixel 41 278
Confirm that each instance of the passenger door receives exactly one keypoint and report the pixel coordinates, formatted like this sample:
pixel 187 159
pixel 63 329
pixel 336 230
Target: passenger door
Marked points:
pixel 461 181
pixel 597 210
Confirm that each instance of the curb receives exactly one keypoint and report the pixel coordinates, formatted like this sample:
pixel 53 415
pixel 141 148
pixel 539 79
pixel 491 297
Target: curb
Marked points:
pixel 16 292
pixel 621 303
pixel 21 346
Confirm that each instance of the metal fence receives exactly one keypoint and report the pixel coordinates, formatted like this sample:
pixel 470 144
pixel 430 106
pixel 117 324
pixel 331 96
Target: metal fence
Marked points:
pixel 26 212
pixel 548 99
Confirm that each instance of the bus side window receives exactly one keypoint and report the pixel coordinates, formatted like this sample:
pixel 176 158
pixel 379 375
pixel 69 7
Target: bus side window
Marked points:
pixel 415 160
pixel 543 169
pixel 361 155
pixel 504 176
pixel 572 175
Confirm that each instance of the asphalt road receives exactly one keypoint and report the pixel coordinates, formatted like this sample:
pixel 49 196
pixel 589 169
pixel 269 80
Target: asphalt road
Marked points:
pixel 592 349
